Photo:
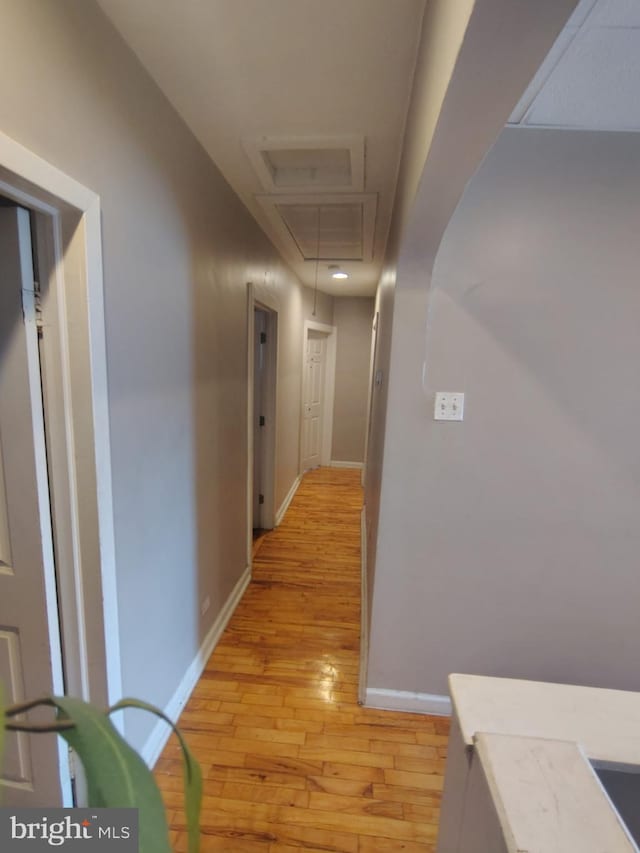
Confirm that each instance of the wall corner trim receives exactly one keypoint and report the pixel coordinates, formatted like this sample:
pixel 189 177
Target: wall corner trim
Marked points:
pixel 364 610
pixel 156 741
pixel 285 503
pixel 338 464
pixel 404 700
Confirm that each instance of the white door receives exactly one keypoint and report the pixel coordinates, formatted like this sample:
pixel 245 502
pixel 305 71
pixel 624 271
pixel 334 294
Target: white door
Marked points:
pixel 313 403
pixel 30 654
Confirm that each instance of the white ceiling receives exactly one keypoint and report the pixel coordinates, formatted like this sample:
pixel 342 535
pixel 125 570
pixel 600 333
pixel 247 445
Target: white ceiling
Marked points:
pixel 323 79
pixel 591 77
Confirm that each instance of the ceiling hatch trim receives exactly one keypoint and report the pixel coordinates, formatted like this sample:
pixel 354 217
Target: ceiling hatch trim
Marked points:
pixel 323 226
pixel 286 164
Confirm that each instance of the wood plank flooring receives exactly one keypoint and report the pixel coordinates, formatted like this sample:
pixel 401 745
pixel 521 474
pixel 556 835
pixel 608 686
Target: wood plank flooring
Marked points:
pixel 290 760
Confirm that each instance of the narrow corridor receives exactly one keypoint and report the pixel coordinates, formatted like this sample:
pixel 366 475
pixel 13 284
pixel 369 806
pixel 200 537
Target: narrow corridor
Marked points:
pixel 290 760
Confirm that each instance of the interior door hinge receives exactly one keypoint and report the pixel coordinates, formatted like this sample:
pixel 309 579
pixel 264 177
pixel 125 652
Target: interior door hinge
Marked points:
pixel 72 763
pixel 263 337
pixel 260 499
pixel 37 300
pixel 261 421
pixel 32 306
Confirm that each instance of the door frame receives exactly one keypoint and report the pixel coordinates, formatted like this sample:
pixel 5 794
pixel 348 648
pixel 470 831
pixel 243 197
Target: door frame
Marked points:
pixel 74 380
pixel 268 444
pixel 328 390
pixel 372 366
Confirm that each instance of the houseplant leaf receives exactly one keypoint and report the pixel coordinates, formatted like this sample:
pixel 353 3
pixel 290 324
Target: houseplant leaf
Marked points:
pixel 116 775
pixel 192 772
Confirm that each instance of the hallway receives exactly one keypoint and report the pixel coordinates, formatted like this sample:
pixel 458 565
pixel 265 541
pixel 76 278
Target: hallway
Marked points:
pixel 290 760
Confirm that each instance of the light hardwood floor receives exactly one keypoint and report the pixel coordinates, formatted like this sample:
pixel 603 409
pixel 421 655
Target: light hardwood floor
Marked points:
pixel 290 760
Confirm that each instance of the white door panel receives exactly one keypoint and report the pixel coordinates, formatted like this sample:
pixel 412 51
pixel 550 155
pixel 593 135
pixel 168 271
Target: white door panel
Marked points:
pixel 30 654
pixel 16 764
pixel 312 408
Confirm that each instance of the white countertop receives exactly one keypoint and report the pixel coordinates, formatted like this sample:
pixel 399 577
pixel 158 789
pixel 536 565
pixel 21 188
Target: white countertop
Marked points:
pixel 534 740
pixel 605 722
pixel 547 798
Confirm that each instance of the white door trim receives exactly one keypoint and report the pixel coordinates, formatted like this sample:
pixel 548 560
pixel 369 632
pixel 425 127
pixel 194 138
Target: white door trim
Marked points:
pixel 372 367
pixel 329 388
pixel 78 380
pixel 364 610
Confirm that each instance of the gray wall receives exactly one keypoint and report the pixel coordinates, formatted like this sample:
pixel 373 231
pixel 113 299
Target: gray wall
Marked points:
pixel 455 115
pixel 353 317
pixel 178 251
pixel 443 28
pixel 509 543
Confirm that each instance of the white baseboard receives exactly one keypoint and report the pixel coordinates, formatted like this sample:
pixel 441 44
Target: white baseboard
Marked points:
pixel 156 741
pixel 364 612
pixel 337 464
pixel 404 700
pixel 285 503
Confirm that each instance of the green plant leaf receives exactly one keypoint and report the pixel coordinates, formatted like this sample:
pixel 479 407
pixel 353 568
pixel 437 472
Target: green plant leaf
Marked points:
pixel 116 775
pixel 192 772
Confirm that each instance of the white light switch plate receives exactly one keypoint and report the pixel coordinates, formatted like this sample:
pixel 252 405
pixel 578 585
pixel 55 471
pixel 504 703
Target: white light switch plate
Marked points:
pixel 449 406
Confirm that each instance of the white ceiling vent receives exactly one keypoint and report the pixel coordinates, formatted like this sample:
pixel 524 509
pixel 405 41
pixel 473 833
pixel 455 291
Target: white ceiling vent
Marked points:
pixel 325 227
pixel 308 164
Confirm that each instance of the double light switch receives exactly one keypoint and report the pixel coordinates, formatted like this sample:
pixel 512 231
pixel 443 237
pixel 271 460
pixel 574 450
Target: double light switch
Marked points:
pixel 449 406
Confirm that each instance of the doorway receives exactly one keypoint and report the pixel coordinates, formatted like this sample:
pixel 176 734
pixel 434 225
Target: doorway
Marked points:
pixel 32 772
pixel 262 350
pixel 318 384
pixel 264 417
pixel 65 225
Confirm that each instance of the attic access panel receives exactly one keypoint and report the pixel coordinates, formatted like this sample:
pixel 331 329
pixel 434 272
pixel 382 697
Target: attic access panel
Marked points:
pixel 308 163
pixel 295 167
pixel 337 227
pixel 325 231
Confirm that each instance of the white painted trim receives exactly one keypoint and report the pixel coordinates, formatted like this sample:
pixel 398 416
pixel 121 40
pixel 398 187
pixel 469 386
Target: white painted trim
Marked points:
pixel 404 700
pixel 40 186
pixel 257 147
pixel 372 366
pixel 102 437
pixel 81 647
pixel 336 464
pixel 27 165
pixel 329 388
pixel 160 733
pixel 364 610
pixel 285 503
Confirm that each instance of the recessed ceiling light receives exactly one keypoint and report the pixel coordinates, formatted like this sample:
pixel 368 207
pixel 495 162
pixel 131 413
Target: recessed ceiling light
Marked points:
pixel 336 272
